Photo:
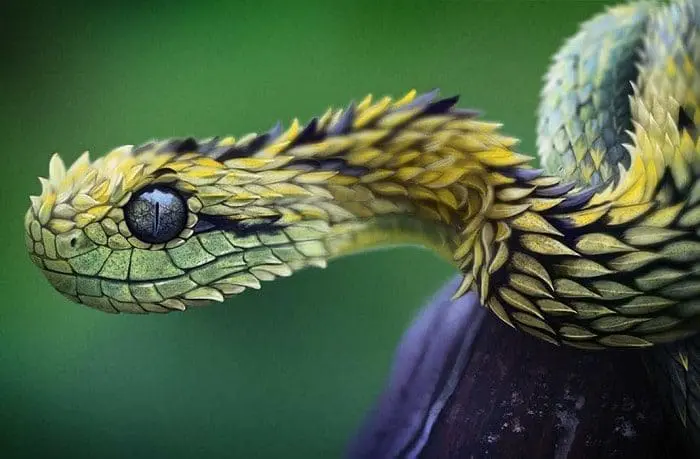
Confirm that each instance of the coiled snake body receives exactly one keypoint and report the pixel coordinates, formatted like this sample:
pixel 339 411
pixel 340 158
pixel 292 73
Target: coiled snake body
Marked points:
pixel 600 250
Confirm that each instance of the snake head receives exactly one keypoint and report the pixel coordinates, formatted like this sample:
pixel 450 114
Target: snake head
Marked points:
pixel 162 227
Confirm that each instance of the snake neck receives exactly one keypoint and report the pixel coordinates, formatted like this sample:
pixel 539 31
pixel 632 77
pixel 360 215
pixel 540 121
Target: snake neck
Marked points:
pixel 416 171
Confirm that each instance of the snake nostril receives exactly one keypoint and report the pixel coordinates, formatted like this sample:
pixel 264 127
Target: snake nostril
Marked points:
pixel 73 242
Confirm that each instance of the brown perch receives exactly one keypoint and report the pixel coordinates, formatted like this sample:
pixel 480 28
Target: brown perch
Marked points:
pixel 465 385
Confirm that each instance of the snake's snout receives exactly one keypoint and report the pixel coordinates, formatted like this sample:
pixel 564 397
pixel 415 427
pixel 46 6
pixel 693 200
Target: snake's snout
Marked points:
pixel 66 259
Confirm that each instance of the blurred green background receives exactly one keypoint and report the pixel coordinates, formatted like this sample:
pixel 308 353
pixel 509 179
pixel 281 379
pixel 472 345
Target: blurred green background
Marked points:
pixel 289 371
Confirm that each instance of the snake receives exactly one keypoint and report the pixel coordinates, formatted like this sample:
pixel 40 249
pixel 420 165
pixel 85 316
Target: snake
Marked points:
pixel 597 249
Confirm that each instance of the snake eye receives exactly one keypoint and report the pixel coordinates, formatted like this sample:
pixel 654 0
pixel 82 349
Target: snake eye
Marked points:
pixel 156 214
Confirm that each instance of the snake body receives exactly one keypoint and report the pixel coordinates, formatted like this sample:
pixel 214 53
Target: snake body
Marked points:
pixel 601 249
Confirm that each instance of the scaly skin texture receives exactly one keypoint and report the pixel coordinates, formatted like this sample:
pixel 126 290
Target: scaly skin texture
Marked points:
pixel 567 265
pixel 602 252
pixel 585 114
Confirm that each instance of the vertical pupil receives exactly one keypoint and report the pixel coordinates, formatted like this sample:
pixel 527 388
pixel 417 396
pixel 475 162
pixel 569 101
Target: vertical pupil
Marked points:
pixel 156 214
pixel 156 219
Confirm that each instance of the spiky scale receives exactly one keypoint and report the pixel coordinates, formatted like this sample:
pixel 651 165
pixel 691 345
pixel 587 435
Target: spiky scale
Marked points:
pixel 626 214
pixel 650 235
pixel 587 310
pixel 625 341
pixel 533 322
pixel 663 218
pixel 598 243
pixel 575 332
pixel 529 286
pixel 584 217
pixel 633 261
pixel 611 290
pixel 529 265
pixel 555 307
pixel 615 324
pixel 532 222
pixel 519 301
pixel 658 278
pixel 580 268
pixel 571 289
pixel 644 305
pixel 499 310
pixel 545 245
pixel 691 218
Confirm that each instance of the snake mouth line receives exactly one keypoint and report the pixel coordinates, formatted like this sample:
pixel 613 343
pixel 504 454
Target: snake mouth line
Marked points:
pixel 214 280
pixel 141 297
